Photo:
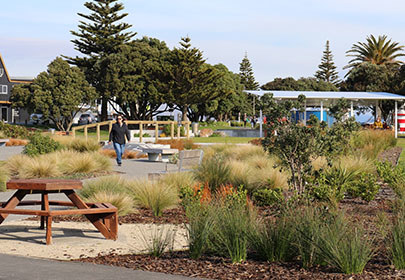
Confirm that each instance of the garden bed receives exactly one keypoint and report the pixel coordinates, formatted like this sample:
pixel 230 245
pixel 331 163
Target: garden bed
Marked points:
pixel 221 268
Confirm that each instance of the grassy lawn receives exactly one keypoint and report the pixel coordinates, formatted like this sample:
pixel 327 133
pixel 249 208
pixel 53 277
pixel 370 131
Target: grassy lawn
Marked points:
pixel 92 134
pixel 225 140
pixel 401 143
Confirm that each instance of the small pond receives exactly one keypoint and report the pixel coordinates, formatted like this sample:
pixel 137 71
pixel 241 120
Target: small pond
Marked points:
pixel 243 132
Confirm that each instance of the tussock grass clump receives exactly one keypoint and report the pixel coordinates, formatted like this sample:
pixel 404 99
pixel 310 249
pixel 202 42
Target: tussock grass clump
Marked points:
pixel 260 161
pixel 270 178
pixel 355 164
pixel 370 143
pixel 201 223
pixel 160 240
pixel 178 180
pixel 230 233
pixel 240 173
pixel 272 240
pixel 396 240
pixel 154 196
pixel 344 246
pixel 107 184
pixel 38 168
pixel 78 144
pixel 122 201
pixel 4 176
pixel 15 164
pixel 319 163
pixel 79 163
pixel 214 171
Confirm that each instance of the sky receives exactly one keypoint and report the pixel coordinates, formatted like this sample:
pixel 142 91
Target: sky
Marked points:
pixel 281 38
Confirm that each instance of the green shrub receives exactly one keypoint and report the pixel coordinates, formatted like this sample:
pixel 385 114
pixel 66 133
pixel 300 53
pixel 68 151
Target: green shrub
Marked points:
pixel 273 240
pixel 237 124
pixel 394 176
pixel 155 196
pixel 40 144
pixel 214 171
pixel 365 187
pixel 344 247
pixel 14 131
pixel 267 197
pixel 143 135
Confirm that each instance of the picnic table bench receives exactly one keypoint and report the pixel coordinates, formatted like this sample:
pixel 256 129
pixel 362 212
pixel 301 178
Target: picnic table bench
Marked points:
pixel 3 142
pixel 102 215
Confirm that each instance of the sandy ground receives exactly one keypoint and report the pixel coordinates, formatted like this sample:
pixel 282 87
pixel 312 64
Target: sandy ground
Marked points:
pixel 74 240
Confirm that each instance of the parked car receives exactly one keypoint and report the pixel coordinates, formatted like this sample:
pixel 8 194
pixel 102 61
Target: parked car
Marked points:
pixel 36 119
pixel 87 119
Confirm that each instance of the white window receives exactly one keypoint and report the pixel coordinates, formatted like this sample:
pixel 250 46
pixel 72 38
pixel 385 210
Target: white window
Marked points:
pixel 3 89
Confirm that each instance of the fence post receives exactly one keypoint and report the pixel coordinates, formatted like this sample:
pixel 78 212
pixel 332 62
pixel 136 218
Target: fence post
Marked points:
pixel 140 131
pixel 172 130
pixel 110 126
pixel 85 132
pixel 98 133
pixel 188 130
pixel 74 132
pixel 178 132
pixel 156 131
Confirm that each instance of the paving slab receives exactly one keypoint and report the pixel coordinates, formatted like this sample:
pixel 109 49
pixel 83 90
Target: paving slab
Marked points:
pixel 20 268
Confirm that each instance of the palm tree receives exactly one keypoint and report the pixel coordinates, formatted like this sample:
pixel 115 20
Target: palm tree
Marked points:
pixel 379 52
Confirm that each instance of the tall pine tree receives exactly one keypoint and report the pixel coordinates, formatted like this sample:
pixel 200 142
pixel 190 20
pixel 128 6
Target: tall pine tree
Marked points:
pixel 327 69
pixel 192 79
pixel 247 78
pixel 99 36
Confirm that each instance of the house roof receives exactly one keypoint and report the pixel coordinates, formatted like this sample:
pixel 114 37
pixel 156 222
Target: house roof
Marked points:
pixel 19 80
pixel 314 98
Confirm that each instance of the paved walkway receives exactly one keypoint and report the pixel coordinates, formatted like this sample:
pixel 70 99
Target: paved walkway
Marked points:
pixel 19 268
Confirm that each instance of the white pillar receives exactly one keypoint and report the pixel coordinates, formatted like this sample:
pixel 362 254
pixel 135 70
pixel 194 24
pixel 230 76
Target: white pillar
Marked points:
pixel 351 109
pixel 305 113
pixel 261 124
pixel 376 111
pixel 321 111
pixel 396 119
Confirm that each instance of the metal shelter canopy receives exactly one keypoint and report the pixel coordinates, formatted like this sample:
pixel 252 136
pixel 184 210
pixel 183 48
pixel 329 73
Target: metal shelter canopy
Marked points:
pixel 327 98
pixel 315 98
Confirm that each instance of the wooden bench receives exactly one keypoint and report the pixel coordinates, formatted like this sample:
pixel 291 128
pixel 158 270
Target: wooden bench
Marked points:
pixel 165 153
pixel 188 159
pixel 102 215
pixel 3 142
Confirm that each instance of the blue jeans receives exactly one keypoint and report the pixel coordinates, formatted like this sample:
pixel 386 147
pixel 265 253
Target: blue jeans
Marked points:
pixel 119 150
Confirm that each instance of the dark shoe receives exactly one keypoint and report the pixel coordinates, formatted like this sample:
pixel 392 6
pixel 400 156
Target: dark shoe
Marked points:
pixel 119 164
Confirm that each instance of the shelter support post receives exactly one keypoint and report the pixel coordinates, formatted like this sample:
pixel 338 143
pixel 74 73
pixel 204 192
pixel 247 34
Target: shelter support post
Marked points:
pixel 321 111
pixel 396 120
pixel 305 113
pixel 261 123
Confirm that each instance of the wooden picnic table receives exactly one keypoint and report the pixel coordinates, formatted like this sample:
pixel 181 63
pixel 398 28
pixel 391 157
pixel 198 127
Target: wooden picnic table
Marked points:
pixel 102 215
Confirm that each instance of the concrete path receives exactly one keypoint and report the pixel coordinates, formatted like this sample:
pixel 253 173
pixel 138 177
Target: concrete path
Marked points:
pixel 7 152
pixel 19 268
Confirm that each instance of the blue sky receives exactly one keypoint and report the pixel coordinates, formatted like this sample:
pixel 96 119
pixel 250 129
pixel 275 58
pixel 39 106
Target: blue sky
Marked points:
pixel 282 38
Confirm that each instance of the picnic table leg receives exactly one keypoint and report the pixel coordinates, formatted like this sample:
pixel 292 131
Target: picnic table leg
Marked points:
pixel 44 206
pixel 13 202
pixel 48 230
pixel 96 220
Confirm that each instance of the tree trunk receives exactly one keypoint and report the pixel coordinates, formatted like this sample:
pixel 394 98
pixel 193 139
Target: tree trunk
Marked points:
pixel 184 112
pixel 104 102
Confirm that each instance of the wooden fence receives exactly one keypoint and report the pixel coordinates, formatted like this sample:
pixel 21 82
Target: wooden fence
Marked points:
pixel 141 128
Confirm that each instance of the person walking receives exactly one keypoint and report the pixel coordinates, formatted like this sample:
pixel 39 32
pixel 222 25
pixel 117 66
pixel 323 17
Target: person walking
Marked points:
pixel 118 133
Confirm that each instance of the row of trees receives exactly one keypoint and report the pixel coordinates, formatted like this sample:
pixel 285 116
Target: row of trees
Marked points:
pixel 135 76
pixel 138 76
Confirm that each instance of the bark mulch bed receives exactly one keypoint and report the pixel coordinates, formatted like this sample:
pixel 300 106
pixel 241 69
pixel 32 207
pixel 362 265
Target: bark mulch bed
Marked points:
pixel 142 216
pixel 220 268
pixel 391 155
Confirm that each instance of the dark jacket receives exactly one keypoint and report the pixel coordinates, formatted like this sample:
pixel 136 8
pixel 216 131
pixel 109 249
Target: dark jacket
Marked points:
pixel 118 133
